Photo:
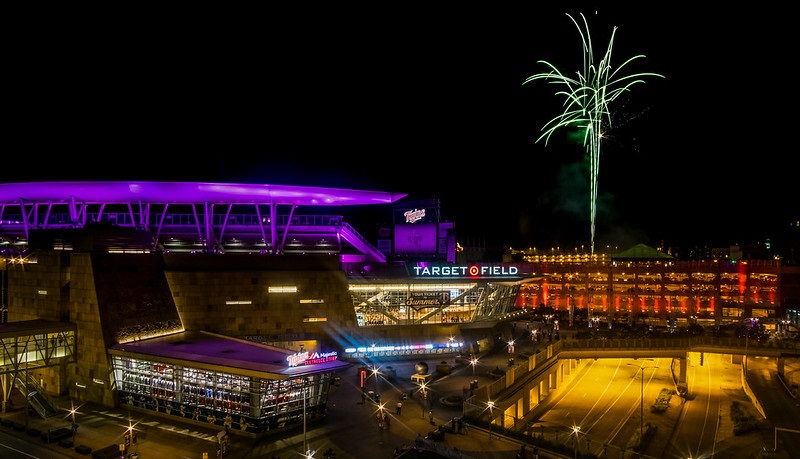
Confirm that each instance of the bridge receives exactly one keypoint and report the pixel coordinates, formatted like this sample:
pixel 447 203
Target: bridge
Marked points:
pixel 517 396
pixel 674 347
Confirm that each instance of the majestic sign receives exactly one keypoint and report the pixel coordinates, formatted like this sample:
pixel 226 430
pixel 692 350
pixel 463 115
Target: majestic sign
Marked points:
pixel 310 358
pixel 475 270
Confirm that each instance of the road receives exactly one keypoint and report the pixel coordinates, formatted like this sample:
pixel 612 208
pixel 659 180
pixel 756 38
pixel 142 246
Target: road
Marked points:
pixel 12 447
pixel 602 406
pixel 696 431
pixel 782 410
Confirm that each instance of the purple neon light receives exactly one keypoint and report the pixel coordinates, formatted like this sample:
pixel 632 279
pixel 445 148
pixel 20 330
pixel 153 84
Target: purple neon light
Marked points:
pixel 190 192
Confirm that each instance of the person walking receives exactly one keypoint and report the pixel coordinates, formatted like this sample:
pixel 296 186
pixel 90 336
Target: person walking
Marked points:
pixel 430 417
pixel 399 407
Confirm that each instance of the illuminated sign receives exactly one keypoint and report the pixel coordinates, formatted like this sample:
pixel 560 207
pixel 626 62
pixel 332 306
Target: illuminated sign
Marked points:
pixel 315 319
pixel 310 358
pixel 404 348
pixel 423 300
pixel 466 271
pixel 414 215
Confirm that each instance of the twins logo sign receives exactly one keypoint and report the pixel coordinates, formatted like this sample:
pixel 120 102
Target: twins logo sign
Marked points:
pixel 424 300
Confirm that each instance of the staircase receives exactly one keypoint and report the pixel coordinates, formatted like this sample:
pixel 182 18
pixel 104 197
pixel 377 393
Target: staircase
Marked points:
pixel 44 405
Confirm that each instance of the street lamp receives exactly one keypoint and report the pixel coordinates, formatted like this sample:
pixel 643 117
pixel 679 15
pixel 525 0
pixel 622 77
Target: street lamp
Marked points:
pixel 375 373
pixel 423 390
pixel 129 435
pixel 490 404
pixel 473 361
pixel 641 397
pixel 72 412
pixel 575 430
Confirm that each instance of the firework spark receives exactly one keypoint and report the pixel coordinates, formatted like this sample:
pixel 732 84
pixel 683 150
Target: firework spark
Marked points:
pixel 587 100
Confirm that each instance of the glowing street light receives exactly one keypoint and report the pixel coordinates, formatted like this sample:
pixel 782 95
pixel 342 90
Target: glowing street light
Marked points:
pixel 641 396
pixel 575 431
pixel 376 374
pixel 473 361
pixel 382 416
pixel 72 412
pixel 490 405
pixel 130 436
pixel 423 390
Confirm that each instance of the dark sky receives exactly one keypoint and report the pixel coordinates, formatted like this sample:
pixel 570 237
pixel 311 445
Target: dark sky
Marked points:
pixel 430 103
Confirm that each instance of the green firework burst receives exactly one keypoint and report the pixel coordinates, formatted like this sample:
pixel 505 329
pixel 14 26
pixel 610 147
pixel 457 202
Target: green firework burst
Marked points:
pixel 587 102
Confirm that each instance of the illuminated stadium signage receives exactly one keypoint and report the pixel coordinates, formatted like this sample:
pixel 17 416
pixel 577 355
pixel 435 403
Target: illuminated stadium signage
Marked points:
pixel 414 215
pixel 474 270
pixel 310 358
pixel 404 348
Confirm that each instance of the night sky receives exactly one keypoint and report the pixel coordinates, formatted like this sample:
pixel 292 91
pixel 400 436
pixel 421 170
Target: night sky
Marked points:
pixel 429 103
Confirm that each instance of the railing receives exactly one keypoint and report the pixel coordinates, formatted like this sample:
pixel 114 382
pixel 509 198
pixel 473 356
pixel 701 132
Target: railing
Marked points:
pixel 697 343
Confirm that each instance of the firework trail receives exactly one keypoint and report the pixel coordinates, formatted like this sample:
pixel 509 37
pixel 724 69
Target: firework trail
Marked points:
pixel 587 100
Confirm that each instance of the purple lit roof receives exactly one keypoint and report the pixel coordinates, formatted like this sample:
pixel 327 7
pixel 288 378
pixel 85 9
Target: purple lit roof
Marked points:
pixel 190 192
pixel 218 352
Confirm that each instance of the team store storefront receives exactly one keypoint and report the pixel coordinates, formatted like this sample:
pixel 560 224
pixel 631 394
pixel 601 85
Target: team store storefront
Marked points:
pixel 241 386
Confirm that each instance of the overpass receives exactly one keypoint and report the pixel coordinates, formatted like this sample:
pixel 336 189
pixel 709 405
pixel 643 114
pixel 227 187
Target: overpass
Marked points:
pixel 674 347
pixel 516 396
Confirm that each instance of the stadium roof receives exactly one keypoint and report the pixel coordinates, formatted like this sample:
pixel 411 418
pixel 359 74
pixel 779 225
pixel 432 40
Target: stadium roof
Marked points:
pixel 218 352
pixel 190 192
pixel 189 216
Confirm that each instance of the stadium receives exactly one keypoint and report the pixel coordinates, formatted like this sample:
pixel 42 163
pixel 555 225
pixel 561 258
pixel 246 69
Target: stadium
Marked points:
pixel 237 304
